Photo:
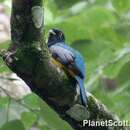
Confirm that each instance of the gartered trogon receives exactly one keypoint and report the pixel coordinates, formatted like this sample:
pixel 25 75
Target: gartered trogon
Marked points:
pixel 69 58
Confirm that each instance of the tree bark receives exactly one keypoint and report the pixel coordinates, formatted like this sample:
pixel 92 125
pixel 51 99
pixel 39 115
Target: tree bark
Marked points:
pixel 29 58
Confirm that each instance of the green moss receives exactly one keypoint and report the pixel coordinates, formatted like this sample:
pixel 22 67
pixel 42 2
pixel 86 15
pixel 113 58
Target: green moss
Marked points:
pixel 92 104
pixel 26 59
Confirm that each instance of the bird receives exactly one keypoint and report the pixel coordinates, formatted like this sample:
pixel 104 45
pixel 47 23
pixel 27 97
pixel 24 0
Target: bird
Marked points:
pixel 68 58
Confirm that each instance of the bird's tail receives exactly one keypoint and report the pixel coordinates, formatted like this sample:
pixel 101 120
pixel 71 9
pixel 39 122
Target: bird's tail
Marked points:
pixel 82 91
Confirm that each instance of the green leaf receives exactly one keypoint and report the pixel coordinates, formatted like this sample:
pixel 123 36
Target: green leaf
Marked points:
pixel 4 101
pixel 3 115
pixel 123 57
pixel 32 101
pixel 51 119
pixel 121 5
pixel 3 67
pixel 4 45
pixel 45 127
pixel 13 125
pixel 28 119
pixel 3 109
pixel 62 4
pixel 93 23
pixel 15 110
pixel 124 73
pixel 101 2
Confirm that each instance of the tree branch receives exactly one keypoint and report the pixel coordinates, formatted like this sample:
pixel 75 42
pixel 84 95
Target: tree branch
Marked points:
pixel 29 58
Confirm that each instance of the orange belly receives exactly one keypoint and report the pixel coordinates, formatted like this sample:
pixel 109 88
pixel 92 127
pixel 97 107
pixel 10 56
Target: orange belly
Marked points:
pixel 61 66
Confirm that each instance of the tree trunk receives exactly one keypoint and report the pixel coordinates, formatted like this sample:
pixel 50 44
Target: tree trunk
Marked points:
pixel 29 58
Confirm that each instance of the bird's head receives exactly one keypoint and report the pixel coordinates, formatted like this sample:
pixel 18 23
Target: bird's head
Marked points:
pixel 55 36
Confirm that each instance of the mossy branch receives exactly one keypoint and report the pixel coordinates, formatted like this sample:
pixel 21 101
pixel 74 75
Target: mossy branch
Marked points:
pixel 29 58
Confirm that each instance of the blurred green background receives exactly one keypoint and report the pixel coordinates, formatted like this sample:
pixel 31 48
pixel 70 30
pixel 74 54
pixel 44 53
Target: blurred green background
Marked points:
pixel 100 30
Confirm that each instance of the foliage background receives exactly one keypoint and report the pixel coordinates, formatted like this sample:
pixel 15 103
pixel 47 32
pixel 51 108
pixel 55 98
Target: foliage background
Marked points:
pixel 100 30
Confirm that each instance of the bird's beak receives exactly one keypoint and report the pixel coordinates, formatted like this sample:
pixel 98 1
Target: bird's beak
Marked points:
pixel 52 32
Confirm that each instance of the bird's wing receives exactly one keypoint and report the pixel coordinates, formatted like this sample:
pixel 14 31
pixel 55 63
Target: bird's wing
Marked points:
pixel 78 66
pixel 71 59
pixel 63 55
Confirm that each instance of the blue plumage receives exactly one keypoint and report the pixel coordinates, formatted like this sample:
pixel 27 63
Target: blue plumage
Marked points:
pixel 70 58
